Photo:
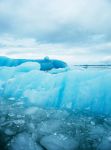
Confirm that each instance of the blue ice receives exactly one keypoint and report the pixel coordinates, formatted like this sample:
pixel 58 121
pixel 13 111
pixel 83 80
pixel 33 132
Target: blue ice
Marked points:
pixel 75 89
pixel 45 64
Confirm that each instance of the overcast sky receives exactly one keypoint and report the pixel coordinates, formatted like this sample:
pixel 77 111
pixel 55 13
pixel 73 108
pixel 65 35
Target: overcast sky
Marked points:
pixel 73 30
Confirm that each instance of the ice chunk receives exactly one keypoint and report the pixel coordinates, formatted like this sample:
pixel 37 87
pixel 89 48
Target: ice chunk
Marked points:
pixel 97 132
pixel 45 64
pixel 58 114
pixel 28 66
pixel 49 127
pixel 31 110
pixel 105 144
pixel 24 141
pixel 9 132
pixel 59 142
pixel 60 70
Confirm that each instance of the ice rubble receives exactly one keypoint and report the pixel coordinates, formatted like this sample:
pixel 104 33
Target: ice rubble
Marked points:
pixel 57 142
pixel 70 89
pixel 24 142
pixel 34 128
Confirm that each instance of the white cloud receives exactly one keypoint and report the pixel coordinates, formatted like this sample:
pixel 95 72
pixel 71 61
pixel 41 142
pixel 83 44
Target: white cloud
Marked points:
pixel 29 48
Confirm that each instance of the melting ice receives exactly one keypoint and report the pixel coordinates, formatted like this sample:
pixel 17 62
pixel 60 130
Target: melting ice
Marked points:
pixel 62 109
pixel 59 88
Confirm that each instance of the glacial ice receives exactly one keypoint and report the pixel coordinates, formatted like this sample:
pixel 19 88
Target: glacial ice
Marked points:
pixel 28 66
pixel 45 64
pixel 57 142
pixel 34 128
pixel 24 142
pixel 70 89
pixel 60 109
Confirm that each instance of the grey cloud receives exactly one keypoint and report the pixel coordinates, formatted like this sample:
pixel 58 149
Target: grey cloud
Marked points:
pixel 77 26
pixel 56 21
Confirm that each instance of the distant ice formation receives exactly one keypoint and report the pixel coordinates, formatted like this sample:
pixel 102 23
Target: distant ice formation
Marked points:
pixel 45 64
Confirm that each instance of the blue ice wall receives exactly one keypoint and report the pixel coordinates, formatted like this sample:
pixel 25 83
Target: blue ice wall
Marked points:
pixel 74 89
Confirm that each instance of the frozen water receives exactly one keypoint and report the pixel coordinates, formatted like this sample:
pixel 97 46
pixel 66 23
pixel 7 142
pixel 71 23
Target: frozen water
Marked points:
pixel 49 126
pixel 62 109
pixel 35 128
pixel 105 144
pixel 28 66
pixel 69 89
pixel 24 142
pixel 59 142
pixel 45 64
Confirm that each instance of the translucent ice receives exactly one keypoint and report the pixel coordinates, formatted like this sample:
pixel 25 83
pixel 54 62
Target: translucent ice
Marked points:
pixel 34 128
pixel 105 144
pixel 59 142
pixel 45 64
pixel 28 66
pixel 24 142
pixel 64 89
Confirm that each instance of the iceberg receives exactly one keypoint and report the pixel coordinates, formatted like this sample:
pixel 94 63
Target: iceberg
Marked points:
pixel 73 89
pixel 45 64
pixel 57 109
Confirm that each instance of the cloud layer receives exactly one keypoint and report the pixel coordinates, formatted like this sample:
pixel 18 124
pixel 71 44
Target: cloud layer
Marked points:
pixel 73 26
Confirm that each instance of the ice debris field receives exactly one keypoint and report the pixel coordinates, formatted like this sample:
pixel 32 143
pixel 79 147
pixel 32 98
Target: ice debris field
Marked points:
pixel 58 109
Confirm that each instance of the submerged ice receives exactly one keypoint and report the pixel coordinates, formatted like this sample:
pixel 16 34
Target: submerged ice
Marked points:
pixel 33 128
pixel 75 89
